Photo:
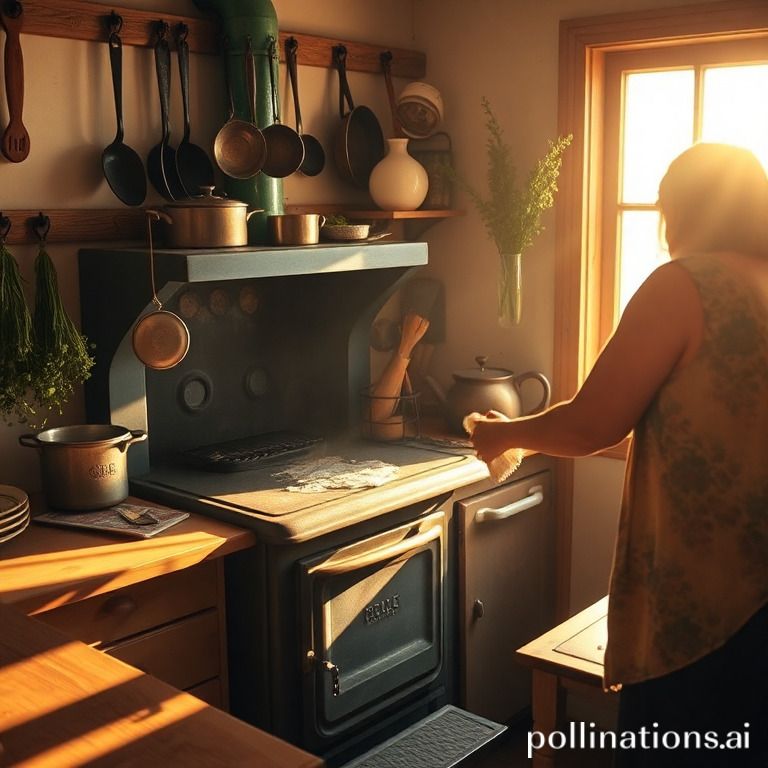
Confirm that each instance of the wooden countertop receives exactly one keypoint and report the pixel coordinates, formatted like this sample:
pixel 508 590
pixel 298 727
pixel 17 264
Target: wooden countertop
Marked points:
pixel 45 566
pixel 66 704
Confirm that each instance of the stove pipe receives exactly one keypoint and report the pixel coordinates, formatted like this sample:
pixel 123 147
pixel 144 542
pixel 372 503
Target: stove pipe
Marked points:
pixel 239 20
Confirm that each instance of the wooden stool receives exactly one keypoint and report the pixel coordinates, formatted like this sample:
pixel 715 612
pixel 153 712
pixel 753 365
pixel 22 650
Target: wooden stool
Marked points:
pixel 569 656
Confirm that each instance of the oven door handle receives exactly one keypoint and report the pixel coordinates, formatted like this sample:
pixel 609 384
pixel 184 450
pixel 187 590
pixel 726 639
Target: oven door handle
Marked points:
pixel 332 567
pixel 534 498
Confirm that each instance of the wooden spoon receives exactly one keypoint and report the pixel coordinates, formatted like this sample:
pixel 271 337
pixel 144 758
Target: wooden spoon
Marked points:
pixel 15 139
pixel 386 392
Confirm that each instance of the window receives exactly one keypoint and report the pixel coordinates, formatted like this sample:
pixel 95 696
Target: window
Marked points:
pixel 657 103
pixel 635 89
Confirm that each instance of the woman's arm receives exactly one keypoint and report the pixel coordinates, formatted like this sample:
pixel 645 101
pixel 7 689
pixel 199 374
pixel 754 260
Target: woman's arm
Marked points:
pixel 660 328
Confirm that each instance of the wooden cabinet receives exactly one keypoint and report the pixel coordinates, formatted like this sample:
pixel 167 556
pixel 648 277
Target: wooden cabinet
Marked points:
pixel 171 626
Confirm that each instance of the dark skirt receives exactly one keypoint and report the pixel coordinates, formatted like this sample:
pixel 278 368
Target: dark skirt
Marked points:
pixel 704 705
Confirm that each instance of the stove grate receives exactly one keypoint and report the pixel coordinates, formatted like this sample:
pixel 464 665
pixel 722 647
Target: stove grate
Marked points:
pixel 249 452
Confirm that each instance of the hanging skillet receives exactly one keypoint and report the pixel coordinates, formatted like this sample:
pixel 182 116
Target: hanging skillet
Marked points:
pixel 359 142
pixel 160 338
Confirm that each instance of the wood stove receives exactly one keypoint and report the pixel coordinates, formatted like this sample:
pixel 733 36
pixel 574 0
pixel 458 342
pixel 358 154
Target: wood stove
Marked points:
pixel 342 627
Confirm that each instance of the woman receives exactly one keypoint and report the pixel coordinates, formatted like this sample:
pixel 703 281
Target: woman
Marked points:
pixel 686 372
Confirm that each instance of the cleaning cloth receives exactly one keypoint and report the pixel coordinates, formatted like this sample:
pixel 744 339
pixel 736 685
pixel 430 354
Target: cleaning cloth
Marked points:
pixel 502 466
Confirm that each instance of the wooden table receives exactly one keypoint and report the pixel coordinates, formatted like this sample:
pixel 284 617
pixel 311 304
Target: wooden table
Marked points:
pixel 566 657
pixel 67 704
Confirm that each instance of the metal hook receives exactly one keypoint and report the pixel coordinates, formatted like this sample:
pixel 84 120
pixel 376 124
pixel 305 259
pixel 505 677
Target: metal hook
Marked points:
pixel 13 8
pixel 182 30
pixel 385 57
pixel 5 227
pixel 115 23
pixel 161 29
pixel 41 226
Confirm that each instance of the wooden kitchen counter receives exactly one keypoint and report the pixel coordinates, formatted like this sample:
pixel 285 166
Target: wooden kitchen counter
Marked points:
pixel 46 566
pixel 66 704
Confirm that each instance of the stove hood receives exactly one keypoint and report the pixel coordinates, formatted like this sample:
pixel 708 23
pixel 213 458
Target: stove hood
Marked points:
pixel 302 341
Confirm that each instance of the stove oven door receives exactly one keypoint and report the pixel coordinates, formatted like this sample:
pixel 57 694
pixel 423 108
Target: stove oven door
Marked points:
pixel 372 617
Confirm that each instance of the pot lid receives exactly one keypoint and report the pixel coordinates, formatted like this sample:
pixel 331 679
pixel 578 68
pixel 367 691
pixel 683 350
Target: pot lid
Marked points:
pixel 481 373
pixel 207 200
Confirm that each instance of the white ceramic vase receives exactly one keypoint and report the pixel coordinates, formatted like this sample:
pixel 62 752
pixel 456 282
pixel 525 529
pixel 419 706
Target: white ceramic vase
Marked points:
pixel 398 182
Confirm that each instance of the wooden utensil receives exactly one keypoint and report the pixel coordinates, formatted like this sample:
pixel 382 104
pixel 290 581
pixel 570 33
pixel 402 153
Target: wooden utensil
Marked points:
pixel 386 392
pixel 15 144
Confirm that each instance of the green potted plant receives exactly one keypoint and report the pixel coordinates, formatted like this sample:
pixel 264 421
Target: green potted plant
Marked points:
pixel 511 214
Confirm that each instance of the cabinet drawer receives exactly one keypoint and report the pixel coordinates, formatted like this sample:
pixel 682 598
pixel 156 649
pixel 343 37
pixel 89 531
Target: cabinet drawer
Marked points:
pixel 183 654
pixel 115 615
pixel 210 692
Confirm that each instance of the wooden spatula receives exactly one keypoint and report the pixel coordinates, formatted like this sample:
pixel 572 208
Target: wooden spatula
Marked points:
pixel 15 144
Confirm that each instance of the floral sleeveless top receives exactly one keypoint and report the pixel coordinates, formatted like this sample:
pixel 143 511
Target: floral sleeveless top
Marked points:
pixel 691 560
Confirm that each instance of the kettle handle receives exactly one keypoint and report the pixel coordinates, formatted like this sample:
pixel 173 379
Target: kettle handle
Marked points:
pixel 544 381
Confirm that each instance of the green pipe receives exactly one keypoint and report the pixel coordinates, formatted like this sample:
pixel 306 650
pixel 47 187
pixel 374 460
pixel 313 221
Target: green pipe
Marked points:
pixel 239 19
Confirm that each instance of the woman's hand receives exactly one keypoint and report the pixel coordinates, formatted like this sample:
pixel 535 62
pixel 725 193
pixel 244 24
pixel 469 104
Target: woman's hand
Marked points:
pixel 487 434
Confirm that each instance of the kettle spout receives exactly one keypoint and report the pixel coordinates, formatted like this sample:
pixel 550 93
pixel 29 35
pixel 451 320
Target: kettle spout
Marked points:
pixel 439 393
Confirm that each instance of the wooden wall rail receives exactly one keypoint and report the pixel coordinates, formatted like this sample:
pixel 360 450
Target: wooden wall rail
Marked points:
pixel 78 225
pixel 81 20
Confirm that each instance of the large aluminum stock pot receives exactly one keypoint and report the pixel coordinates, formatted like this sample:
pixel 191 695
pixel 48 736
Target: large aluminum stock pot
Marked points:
pixel 84 466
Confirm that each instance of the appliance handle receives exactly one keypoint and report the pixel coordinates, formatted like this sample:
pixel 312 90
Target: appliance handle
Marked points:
pixel 378 555
pixel 534 498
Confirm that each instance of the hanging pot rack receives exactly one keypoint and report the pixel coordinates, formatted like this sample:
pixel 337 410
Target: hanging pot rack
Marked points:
pixel 82 20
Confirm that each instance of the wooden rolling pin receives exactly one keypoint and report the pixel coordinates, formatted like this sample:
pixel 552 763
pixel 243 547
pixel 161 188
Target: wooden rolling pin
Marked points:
pixel 386 392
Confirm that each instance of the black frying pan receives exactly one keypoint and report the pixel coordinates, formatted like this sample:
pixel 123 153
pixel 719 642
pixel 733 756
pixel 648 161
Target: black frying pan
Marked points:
pixel 359 143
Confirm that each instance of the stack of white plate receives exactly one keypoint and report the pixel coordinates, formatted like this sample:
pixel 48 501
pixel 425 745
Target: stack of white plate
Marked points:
pixel 14 512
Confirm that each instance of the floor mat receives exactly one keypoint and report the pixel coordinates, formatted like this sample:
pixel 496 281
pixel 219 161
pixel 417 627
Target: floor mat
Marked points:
pixel 441 740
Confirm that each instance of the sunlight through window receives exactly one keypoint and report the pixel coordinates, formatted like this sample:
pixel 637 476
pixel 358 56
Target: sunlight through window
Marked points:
pixel 659 122
pixel 735 107
pixel 658 126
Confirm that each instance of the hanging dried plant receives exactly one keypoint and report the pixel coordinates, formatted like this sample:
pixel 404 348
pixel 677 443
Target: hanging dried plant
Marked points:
pixel 15 341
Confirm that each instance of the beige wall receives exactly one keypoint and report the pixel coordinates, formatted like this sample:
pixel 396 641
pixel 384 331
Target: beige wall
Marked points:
pixel 506 50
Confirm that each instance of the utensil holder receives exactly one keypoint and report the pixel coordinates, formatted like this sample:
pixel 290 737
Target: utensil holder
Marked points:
pixel 403 424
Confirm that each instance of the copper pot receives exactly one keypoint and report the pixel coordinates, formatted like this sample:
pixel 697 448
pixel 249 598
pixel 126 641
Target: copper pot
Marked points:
pixel 207 221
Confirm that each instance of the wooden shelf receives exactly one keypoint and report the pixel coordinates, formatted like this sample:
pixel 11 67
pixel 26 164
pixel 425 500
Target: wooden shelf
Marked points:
pixel 80 20
pixel 416 222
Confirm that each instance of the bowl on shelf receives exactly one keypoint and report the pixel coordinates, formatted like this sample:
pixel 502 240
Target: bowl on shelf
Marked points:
pixel 345 231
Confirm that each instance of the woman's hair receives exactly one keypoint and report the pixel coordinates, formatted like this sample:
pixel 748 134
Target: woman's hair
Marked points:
pixel 716 195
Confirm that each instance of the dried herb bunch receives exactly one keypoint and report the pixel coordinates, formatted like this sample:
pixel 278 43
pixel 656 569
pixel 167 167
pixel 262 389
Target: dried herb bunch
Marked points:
pixel 512 215
pixel 60 358
pixel 15 341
